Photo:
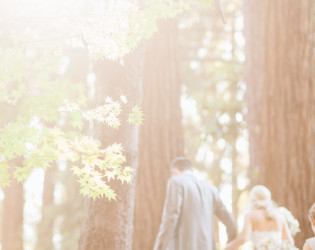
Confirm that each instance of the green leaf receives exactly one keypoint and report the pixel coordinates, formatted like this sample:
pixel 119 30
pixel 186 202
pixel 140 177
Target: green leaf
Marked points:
pixel 4 175
pixel 136 116
pixel 21 173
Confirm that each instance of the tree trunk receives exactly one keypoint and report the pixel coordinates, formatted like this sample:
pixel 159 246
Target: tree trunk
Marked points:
pixel 278 73
pixel 109 224
pixel 161 136
pixel 12 221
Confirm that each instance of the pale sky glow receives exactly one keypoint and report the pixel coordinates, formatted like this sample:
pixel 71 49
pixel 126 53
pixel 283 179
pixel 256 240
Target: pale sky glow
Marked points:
pixel 226 165
pixel 33 191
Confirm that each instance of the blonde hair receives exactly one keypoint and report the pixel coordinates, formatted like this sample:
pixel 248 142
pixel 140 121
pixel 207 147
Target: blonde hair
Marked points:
pixel 312 212
pixel 260 198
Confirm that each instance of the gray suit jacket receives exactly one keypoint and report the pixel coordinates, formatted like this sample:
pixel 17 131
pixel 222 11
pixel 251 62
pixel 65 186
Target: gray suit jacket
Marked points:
pixel 187 219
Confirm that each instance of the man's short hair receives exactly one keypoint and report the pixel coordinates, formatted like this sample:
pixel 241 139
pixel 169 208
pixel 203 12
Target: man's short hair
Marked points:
pixel 181 163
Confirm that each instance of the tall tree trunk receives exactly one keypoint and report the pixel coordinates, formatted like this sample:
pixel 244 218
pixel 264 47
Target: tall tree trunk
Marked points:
pixel 12 221
pixel 278 73
pixel 161 136
pixel 109 224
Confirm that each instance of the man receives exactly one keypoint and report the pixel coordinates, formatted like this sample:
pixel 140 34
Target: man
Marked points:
pixel 189 209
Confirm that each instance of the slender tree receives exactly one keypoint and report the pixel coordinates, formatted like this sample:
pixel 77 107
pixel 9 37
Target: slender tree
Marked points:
pixel 12 221
pixel 280 102
pixel 161 137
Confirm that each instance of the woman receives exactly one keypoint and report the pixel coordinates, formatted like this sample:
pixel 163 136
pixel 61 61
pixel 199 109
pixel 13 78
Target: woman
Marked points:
pixel 263 224
pixel 310 243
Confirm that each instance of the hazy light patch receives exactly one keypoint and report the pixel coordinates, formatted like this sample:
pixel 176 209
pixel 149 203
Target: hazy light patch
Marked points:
pixel 210 138
pixel 239 38
pixel 242 145
pixel 62 165
pixel 35 123
pixel 203 136
pixel 242 182
pixel 226 165
pixel 33 191
pixel 225 118
pixel 227 48
pixel 30 53
pixel 245 110
pixel 227 55
pixel 240 56
pixel 209 158
pixel 239 22
pixel 194 65
pixel 241 85
pixel 64 65
pixel 207 39
pixel 188 105
pixel 222 86
pixel 225 129
pixel 91 83
pixel 239 117
pixel 58 192
pixel 57 240
pixel 227 28
pixel 202 151
pixel 202 53
pixel 221 143
pixel 75 42
pixel 201 175
pixel 29 146
pixel 226 196
pixel 56 234
pixel 1 196
pixel 240 95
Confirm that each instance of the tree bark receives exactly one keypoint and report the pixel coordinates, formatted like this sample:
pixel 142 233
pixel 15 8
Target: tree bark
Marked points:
pixel 278 73
pixel 12 221
pixel 161 136
pixel 109 224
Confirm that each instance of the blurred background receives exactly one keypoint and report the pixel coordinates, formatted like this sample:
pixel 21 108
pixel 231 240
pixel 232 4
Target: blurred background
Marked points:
pixel 242 112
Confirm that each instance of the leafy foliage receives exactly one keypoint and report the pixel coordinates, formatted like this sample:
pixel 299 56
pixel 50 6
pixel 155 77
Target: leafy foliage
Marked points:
pixel 35 131
pixel 136 116
pixel 37 101
pixel 109 29
pixel 101 167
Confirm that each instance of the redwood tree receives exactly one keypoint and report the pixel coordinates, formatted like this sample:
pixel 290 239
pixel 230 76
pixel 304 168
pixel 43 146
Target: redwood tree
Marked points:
pixel 278 74
pixel 109 224
pixel 161 137
pixel 12 221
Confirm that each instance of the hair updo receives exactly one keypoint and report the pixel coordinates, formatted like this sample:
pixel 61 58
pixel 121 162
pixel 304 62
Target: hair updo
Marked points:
pixel 260 198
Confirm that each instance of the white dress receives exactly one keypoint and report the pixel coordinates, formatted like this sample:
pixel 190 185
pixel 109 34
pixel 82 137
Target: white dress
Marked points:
pixel 311 243
pixel 265 239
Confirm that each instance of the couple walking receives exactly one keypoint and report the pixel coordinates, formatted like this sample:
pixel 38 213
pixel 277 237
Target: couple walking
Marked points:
pixel 190 206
